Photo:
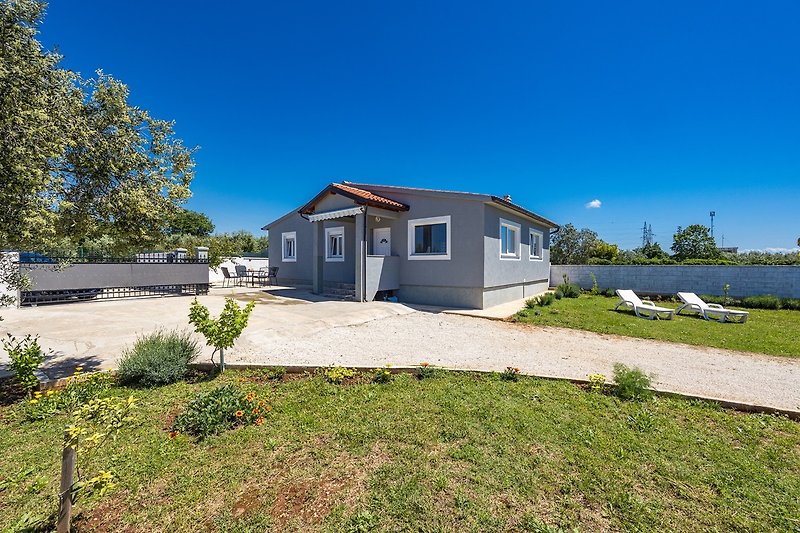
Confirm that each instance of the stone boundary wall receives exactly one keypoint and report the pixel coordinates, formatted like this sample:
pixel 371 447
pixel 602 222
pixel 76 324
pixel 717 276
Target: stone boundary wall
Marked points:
pixel 745 280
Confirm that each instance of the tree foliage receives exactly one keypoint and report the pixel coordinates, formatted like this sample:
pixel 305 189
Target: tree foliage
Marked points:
pixel 77 160
pixel 694 242
pixel 603 250
pixel 188 222
pixel 570 246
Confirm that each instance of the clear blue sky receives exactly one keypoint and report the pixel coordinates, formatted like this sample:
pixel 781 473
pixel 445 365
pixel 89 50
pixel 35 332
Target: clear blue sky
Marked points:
pixel 661 112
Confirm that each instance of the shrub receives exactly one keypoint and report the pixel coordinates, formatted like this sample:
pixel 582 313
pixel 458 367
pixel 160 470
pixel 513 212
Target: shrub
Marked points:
pixel 569 290
pixel 597 382
pixel 159 358
pixel 218 410
pixel 337 374
pixel 542 300
pixel 631 383
pixel 766 301
pixel 25 358
pixel 81 388
pixel 595 289
pixel 510 374
pixel 382 375
pixel 275 372
pixel 425 371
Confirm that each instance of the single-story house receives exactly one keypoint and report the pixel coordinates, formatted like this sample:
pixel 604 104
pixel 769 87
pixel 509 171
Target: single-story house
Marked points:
pixel 422 246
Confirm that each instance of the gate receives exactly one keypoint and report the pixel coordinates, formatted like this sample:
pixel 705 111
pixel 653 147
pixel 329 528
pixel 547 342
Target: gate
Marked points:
pixel 54 279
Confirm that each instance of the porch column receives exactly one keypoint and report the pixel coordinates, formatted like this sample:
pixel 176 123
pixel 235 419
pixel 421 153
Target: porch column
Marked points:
pixel 317 257
pixel 361 254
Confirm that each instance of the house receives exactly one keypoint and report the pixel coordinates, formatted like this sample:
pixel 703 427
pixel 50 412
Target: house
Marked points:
pixel 423 246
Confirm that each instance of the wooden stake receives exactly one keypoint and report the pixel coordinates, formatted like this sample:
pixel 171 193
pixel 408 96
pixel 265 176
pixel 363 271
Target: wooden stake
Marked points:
pixel 65 489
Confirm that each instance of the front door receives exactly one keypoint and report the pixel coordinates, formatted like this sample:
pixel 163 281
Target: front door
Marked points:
pixel 382 241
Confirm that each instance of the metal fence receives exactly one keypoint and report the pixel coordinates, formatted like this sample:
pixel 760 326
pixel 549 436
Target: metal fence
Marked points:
pixel 62 279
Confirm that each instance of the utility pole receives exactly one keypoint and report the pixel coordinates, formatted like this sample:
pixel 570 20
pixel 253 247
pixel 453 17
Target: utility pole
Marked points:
pixel 712 214
pixel 644 234
pixel 649 234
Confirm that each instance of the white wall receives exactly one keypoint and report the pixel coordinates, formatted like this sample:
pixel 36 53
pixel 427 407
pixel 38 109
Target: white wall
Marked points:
pixel 744 280
pixel 252 263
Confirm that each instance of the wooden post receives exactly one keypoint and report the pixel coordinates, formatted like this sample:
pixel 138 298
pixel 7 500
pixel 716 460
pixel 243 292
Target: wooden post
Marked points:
pixel 65 489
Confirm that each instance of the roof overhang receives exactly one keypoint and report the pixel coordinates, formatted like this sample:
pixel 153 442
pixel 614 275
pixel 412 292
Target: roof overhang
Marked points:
pixel 522 211
pixel 336 213
pixel 359 197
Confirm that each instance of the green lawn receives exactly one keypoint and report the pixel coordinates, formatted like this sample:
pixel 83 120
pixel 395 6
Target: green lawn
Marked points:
pixel 457 452
pixel 769 332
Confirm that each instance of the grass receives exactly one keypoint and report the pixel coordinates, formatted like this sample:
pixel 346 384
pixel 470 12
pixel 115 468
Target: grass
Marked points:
pixel 766 331
pixel 456 452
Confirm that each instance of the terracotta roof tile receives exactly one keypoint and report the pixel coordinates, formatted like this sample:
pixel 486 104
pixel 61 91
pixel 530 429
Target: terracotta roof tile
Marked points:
pixel 366 195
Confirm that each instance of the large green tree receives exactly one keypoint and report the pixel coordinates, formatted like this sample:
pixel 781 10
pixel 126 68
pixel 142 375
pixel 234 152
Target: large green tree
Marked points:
pixel 188 222
pixel 694 242
pixel 570 246
pixel 38 106
pixel 77 160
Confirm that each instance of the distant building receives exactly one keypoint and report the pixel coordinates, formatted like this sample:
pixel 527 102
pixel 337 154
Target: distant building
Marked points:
pixel 728 249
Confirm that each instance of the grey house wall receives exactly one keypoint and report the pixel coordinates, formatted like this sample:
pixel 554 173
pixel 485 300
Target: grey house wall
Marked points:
pixel 511 279
pixel 473 277
pixel 457 282
pixel 745 280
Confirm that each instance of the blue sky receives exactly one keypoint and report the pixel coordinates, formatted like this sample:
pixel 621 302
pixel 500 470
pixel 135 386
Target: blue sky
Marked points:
pixel 661 111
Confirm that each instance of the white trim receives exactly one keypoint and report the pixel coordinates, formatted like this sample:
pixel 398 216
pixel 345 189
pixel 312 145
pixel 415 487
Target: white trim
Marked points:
pixel 539 255
pixel 412 224
pixel 284 237
pixel 330 232
pixel 516 256
pixel 338 213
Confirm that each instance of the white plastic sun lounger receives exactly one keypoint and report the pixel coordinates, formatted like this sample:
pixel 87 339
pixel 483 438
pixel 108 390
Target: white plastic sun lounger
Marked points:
pixel 692 302
pixel 642 308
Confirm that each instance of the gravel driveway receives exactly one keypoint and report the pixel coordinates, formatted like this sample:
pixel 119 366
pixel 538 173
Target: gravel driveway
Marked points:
pixel 480 344
pixel 292 331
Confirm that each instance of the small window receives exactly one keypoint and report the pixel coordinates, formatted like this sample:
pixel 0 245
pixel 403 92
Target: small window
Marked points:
pixel 429 238
pixel 334 244
pixel 536 244
pixel 509 239
pixel 289 246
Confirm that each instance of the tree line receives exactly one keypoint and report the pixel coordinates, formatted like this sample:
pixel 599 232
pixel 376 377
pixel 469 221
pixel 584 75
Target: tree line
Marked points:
pixel 693 244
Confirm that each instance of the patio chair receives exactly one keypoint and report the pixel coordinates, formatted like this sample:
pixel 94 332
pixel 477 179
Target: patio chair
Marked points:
pixel 241 272
pixel 273 275
pixel 227 278
pixel 260 275
pixel 693 302
pixel 642 308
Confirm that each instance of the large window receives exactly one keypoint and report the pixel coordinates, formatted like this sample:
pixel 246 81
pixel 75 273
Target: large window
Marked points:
pixel 536 244
pixel 509 239
pixel 334 244
pixel 289 246
pixel 429 238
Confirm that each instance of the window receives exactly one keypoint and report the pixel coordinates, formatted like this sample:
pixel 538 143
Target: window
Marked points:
pixel 536 244
pixel 289 246
pixel 509 239
pixel 334 244
pixel 429 238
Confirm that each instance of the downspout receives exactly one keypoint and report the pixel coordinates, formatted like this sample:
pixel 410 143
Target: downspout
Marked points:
pixel 364 260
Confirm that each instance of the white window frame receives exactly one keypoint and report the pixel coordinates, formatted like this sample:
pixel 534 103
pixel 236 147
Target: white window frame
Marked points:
pixel 412 225
pixel 285 237
pixel 517 238
pixel 338 231
pixel 538 253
